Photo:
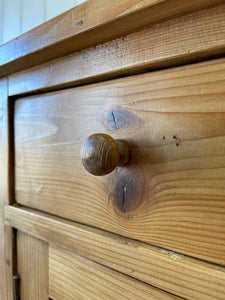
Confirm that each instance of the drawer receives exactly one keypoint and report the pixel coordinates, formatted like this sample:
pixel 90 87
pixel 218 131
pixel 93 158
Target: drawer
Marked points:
pixel 171 193
pixel 74 277
pixel 46 272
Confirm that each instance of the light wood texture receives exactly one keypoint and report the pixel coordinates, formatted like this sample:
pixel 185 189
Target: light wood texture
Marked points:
pixel 32 267
pixel 91 23
pixel 172 192
pixel 178 274
pixel 73 277
pixel 6 235
pixel 185 39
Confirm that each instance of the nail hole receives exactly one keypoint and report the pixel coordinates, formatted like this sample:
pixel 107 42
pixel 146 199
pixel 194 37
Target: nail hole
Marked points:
pixel 79 23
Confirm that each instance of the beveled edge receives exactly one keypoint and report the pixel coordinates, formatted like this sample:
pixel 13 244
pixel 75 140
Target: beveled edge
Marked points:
pixel 102 20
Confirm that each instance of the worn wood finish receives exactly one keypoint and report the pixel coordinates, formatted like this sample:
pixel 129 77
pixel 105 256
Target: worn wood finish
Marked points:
pixel 73 277
pixel 89 24
pixel 6 234
pixel 172 192
pixel 101 154
pixel 176 273
pixel 32 267
pixel 185 39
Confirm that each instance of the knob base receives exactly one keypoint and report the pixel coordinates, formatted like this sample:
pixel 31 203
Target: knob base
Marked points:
pixel 125 152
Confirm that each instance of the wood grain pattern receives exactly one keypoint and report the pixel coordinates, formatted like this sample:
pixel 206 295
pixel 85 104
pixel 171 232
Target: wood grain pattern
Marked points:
pixel 176 273
pixel 32 260
pixel 174 121
pixel 6 234
pixel 101 154
pixel 185 39
pixel 73 277
pixel 89 24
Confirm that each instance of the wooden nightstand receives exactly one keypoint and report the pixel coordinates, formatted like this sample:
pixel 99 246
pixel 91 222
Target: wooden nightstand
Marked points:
pixel 152 74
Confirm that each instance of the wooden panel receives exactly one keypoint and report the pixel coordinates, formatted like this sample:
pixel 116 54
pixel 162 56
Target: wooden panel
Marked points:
pixel 88 24
pixel 174 121
pixel 32 260
pixel 176 273
pixel 185 39
pixel 73 277
pixel 6 235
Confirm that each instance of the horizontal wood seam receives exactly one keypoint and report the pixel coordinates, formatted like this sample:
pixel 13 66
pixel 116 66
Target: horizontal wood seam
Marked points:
pixel 127 275
pixel 187 39
pixel 46 46
pixel 180 265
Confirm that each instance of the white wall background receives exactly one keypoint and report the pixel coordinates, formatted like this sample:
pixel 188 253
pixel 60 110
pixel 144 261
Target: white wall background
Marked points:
pixel 18 16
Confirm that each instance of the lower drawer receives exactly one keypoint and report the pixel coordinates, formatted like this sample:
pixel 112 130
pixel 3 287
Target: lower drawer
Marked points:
pixel 171 194
pixel 49 272
pixel 178 274
pixel 73 277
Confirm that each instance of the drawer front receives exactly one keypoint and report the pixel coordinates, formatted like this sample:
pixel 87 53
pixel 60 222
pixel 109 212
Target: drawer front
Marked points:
pixel 74 277
pixel 171 193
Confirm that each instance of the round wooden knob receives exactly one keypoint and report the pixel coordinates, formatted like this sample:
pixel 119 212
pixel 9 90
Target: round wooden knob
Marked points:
pixel 101 154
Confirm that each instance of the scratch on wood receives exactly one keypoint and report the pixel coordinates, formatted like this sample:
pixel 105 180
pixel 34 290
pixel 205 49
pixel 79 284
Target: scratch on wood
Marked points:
pixel 172 254
pixel 127 243
pixel 114 119
pixel 124 196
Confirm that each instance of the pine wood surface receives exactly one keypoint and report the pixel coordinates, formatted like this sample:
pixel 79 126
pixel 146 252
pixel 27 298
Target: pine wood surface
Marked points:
pixel 89 24
pixel 172 192
pixel 6 235
pixel 185 39
pixel 180 275
pixel 32 267
pixel 73 277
